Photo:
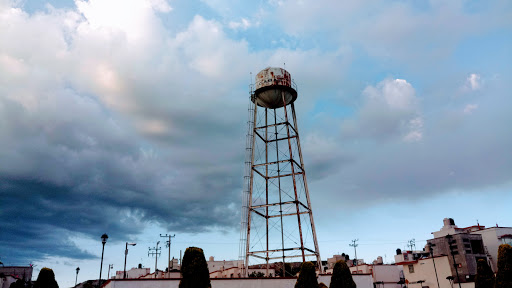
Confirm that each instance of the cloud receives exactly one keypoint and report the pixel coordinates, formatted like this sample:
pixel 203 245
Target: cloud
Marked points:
pixel 470 108
pixel 244 24
pixel 389 109
pixel 105 121
pixel 473 82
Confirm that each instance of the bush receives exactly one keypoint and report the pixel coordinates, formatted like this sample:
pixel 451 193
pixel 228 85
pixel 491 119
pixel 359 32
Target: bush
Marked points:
pixel 307 276
pixel 504 274
pixel 194 269
pixel 46 279
pixel 341 276
pixel 256 274
pixel 484 276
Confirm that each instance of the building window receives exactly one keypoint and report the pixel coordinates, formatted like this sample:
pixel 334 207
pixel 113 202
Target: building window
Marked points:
pixel 411 268
pixel 477 246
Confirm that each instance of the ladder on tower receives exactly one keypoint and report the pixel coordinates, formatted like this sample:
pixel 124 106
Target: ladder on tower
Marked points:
pixel 247 182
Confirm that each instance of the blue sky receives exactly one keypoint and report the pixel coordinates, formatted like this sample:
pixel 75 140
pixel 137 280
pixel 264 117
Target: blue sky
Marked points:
pixel 128 117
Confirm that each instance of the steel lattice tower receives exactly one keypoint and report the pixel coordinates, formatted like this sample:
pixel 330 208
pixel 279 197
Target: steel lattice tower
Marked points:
pixel 277 219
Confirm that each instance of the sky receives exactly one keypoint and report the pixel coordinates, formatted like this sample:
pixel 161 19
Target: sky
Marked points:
pixel 129 118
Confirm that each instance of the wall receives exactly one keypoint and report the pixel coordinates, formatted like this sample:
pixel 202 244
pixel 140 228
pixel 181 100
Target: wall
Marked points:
pixel 389 274
pixel 362 281
pixel 424 270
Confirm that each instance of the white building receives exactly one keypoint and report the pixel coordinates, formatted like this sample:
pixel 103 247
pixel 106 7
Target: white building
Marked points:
pixel 493 237
pixel 133 273
pixel 421 273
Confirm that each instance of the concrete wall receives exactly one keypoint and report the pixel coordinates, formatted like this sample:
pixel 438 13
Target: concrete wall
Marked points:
pixel 362 281
pixel 424 270
pixel 389 274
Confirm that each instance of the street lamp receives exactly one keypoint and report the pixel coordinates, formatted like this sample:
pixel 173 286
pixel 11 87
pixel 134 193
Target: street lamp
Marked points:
pixel 450 278
pixel 104 238
pixel 126 254
pixel 77 270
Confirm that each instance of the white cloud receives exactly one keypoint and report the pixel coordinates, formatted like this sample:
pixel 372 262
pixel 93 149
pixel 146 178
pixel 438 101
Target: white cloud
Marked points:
pixel 244 24
pixel 473 82
pixel 389 109
pixel 470 108
pixel 415 130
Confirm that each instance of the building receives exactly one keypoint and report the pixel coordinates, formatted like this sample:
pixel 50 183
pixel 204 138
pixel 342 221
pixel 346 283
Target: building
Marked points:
pixel 133 273
pixel 493 237
pixel 380 273
pixel 18 272
pixel 214 265
pixel 10 274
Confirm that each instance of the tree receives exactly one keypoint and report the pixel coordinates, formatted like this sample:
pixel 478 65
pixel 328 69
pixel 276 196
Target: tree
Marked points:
pixel 504 274
pixel 46 279
pixel 341 276
pixel 194 269
pixel 255 274
pixel 18 284
pixel 307 276
pixel 484 276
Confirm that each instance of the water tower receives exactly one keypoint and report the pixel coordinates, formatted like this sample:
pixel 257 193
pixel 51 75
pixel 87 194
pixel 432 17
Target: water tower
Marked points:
pixel 277 219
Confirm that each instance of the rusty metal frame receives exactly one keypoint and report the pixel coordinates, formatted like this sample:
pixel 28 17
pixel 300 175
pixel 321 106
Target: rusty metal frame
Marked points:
pixel 297 169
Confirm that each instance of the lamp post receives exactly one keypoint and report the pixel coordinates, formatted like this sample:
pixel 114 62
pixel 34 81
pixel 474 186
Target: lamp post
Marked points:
pixel 430 248
pixel 450 278
pixel 77 270
pixel 125 255
pixel 104 238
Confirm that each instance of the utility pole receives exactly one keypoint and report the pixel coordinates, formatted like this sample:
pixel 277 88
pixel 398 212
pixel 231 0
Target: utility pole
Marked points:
pixel 355 251
pixel 412 244
pixel 453 251
pixel 431 250
pixel 110 266
pixel 168 244
pixel 156 253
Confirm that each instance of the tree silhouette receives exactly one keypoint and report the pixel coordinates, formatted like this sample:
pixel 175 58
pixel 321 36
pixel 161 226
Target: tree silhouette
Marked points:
pixel 484 276
pixel 341 276
pixel 46 279
pixel 504 274
pixel 194 269
pixel 307 276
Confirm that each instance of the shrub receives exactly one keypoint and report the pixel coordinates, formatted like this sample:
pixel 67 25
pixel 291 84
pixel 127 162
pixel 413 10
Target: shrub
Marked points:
pixel 46 279
pixel 341 276
pixel 307 276
pixel 194 269
pixel 504 274
pixel 484 276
